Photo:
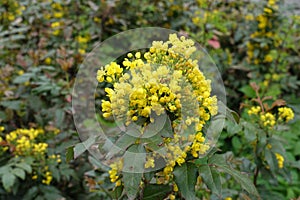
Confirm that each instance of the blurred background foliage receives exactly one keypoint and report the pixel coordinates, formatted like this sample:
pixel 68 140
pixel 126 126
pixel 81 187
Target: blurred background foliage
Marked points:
pixel 43 43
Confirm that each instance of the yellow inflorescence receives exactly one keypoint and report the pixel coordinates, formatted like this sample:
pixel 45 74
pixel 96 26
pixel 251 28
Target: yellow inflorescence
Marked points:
pixel 264 31
pixel 24 141
pixel 163 80
pixel 115 171
pixel 27 143
pixel 48 178
pixel 280 160
pixel 13 9
pixel 267 119
pixel 285 114
pixel 254 110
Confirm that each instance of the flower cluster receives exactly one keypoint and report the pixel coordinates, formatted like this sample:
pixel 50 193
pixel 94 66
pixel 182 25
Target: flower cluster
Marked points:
pixel 55 15
pixel 24 142
pixel 285 114
pixel 280 160
pixel 265 30
pixel 267 119
pixel 12 9
pixel 28 143
pixel 115 171
pixel 163 80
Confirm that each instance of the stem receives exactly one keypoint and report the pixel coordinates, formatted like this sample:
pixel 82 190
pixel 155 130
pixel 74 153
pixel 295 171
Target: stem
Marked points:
pixel 105 191
pixel 256 172
pixel 260 101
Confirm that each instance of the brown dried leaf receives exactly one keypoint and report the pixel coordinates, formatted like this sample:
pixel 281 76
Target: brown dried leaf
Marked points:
pixel 267 98
pixel 278 102
pixel 254 86
pixel 266 107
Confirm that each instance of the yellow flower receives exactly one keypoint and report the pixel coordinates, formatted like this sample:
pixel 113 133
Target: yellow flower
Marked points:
pixel 118 183
pixel 268 10
pixel 175 188
pixel 138 55
pixel 172 196
pixel 81 39
pixel 81 51
pixel 100 75
pixel 115 169
pixel 55 24
pixel 48 178
pixel 280 160
pixel 249 17
pixel 268 119
pixel 285 114
pixel 56 32
pixel 149 163
pixel 11 17
pixel 48 60
pixel 2 128
pixel 268 58
pixel 228 198
pixel 272 2
pixel 58 14
pixel 254 110
pixel 262 21
pixel 97 19
pixel 56 6
pixel 275 77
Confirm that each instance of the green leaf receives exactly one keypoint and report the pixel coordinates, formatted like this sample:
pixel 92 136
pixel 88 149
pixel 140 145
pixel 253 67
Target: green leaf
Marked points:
pixel 117 192
pixel 156 192
pixel 232 116
pixel 132 183
pixel 59 117
pixel 121 144
pixel 8 181
pixel 217 159
pixel 50 192
pixel 31 193
pixel 97 164
pixel 23 78
pixel 69 154
pixel 211 178
pixel 185 178
pixel 250 131
pixel 14 104
pixel 271 160
pixel 273 90
pixel 161 126
pixel 248 91
pixel 219 162
pixel 297 149
pixel 25 166
pixel 233 128
pixel 5 169
pixel 242 179
pixel 236 144
pixel 55 172
pixel 134 159
pixel 148 176
pixel 156 126
pixel 19 173
pixel 83 146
